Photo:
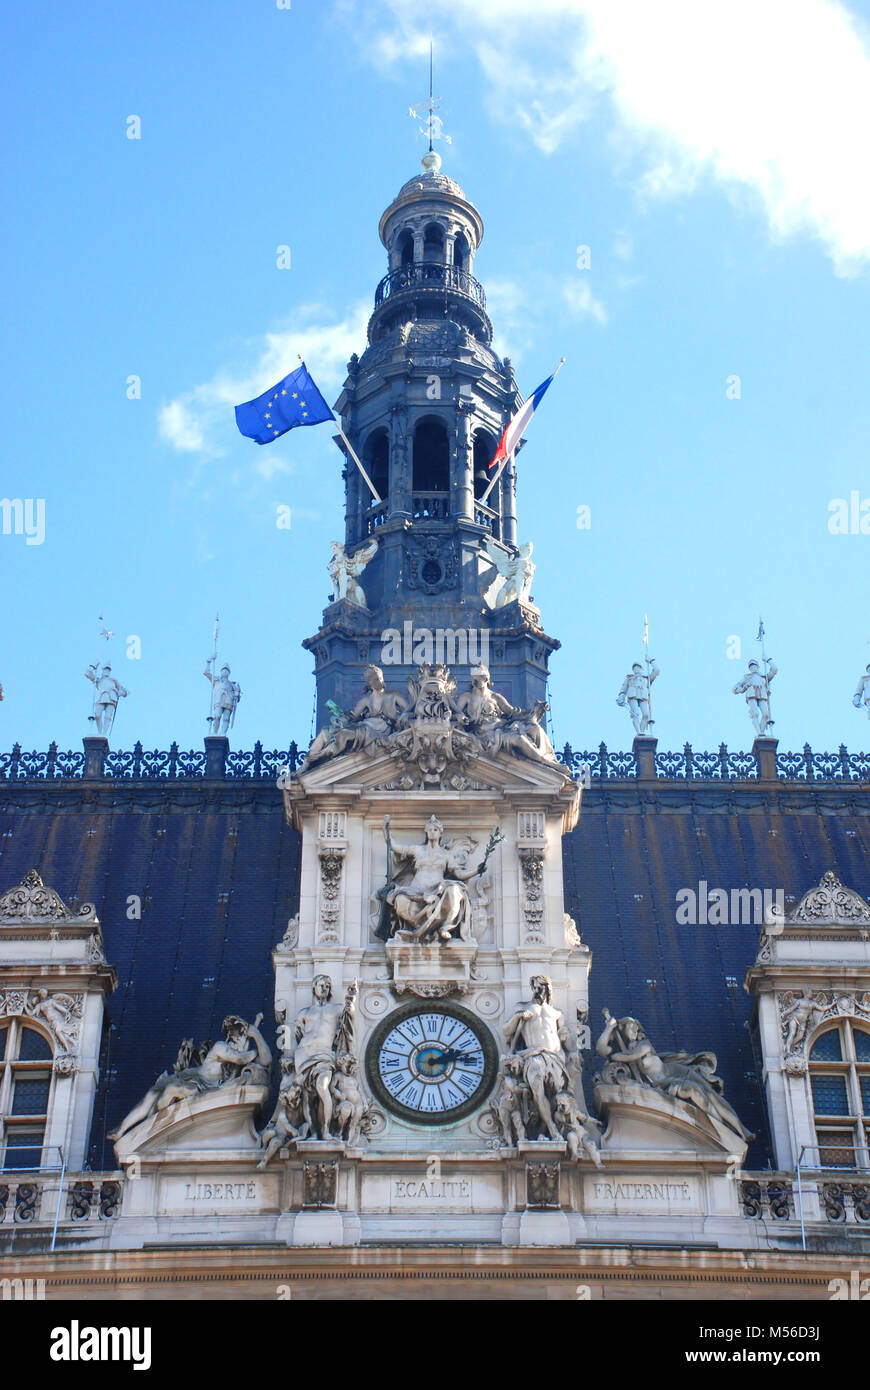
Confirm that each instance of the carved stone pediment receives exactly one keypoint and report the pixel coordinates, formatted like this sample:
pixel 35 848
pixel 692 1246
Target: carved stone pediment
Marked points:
pixel 831 903
pixel 642 1118
pixel 31 901
pixel 218 1122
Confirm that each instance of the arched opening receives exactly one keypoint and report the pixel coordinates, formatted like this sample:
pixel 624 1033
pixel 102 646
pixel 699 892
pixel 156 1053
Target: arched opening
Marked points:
pixel 406 249
pixel 461 253
pixel 377 461
pixel 433 244
pixel 432 459
pixel 484 448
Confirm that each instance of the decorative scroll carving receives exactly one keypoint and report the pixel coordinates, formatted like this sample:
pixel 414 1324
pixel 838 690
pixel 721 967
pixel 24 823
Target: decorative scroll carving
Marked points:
pixel 81 1196
pixel 431 564
pixel 831 901
pixel 770 1194
pixel 32 901
pixel 26 1195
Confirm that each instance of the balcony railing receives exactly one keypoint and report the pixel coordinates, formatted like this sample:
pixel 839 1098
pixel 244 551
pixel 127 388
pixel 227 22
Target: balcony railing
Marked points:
pixel 430 506
pixel 430 276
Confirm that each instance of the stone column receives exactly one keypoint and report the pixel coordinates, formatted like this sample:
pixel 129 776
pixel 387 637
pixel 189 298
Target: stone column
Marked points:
pixel 216 749
pixel 463 468
pixel 508 489
pixel 96 749
pixel 400 462
pixel 644 748
pixel 764 752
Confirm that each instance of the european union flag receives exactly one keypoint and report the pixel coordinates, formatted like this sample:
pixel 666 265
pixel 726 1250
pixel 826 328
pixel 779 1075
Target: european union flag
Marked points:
pixel 294 401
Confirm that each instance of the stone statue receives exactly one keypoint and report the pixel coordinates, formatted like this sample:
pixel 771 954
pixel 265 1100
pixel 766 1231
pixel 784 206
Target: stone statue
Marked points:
pixel 537 1036
pixel 580 1132
pixel 800 1017
pixel 517 571
pixel 499 724
pixel 345 570
pixel 429 897
pixel 224 699
pixel 351 1107
pixel 107 693
pixel 324 1031
pixel 862 694
pixel 59 1012
pixel 511 1102
pixel 689 1077
pixel 243 1056
pixel 756 686
pixel 635 692
pixel 288 1123
pixel 366 726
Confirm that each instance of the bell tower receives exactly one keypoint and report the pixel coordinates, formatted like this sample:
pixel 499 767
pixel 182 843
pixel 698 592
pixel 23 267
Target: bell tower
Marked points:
pixel 424 408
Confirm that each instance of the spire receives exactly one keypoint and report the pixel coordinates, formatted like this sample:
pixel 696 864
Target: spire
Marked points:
pixel 433 127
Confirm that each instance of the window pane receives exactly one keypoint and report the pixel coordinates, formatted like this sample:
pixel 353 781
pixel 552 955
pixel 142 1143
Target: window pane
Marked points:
pixel 865 1093
pixel 24 1146
pixel 862 1044
pixel 836 1148
pixel 4 1034
pixel 829 1095
pixel 827 1048
pixel 33 1046
pixel 30 1094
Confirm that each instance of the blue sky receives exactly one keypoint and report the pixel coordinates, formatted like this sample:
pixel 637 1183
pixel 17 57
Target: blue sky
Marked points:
pixel 714 162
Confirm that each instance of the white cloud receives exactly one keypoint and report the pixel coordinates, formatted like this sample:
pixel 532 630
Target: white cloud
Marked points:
pixel 201 421
pixel 766 96
pixel 582 302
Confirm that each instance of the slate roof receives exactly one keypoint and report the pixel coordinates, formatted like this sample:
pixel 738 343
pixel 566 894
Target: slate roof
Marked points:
pixel 218 874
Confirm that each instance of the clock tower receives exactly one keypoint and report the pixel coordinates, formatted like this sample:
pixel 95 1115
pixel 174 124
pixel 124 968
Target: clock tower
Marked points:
pixel 442 574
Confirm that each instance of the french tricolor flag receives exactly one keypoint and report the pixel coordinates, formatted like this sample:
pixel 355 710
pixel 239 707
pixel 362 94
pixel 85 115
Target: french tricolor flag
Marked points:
pixel 516 428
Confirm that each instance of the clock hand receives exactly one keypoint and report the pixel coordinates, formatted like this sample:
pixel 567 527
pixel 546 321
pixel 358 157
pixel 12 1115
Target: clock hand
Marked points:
pixel 451 1055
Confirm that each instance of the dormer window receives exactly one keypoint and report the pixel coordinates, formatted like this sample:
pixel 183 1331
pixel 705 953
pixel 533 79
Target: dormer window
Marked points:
pixel 840 1081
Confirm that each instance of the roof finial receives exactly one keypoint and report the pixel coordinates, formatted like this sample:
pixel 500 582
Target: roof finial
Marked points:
pixel 433 127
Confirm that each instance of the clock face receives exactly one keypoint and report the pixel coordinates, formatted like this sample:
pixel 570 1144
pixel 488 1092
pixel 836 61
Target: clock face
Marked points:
pixel 431 1065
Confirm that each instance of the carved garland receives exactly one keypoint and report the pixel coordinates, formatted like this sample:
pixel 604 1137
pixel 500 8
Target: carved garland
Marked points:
pixel 331 865
pixel 532 867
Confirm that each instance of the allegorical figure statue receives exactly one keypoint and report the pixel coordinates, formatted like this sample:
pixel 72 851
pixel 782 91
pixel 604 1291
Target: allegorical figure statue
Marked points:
pixel 372 718
pixel 517 570
pixel 635 692
pixel 756 687
pixel 862 694
pixel 242 1056
pixel 536 1034
pixel 345 570
pixel 324 1032
pixel 224 699
pixel 428 896
pixel 107 693
pixel 499 724
pixel 800 1016
pixel 690 1077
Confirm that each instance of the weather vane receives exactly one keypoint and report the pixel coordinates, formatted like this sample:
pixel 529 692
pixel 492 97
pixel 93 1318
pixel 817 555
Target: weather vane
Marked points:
pixel 434 127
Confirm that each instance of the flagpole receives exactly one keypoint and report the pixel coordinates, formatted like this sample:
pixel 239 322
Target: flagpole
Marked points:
pixel 352 452
pixel 645 640
pixel 505 461
pixel 350 449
